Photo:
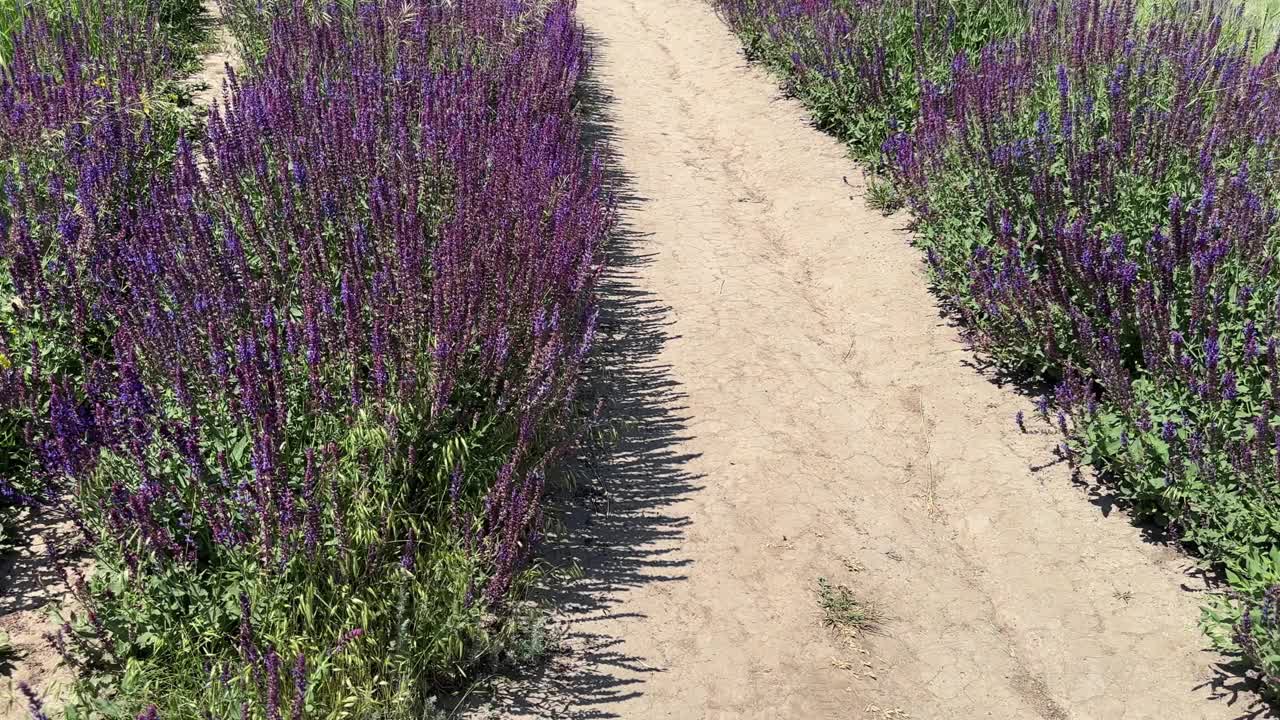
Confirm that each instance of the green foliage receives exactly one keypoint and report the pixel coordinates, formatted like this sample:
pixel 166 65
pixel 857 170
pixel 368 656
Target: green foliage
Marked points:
pixel 873 88
pixel 883 196
pixel 182 23
pixel 1244 622
pixel 421 622
pixel 841 609
pixel 250 22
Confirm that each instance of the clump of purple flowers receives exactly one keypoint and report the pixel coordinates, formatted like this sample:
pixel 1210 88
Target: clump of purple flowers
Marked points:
pixel 88 106
pixel 1124 172
pixel 323 362
pixel 862 65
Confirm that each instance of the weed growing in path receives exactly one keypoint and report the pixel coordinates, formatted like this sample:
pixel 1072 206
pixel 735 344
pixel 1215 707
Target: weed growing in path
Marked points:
pixel 842 610
pixel 883 196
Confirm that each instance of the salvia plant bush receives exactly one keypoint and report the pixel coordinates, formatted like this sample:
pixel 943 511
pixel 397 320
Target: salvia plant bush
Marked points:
pixel 175 26
pixel 314 366
pixel 90 107
pixel 1096 195
pixel 859 64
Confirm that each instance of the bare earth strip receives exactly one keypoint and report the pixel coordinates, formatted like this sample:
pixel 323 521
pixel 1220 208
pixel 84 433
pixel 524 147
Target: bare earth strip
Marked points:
pixel 213 71
pixel 798 409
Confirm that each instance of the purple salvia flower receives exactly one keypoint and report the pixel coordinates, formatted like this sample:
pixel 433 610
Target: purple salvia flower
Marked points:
pixel 34 704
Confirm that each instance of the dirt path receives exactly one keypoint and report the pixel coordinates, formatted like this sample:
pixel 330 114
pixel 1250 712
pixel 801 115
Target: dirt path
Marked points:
pixel 799 411
pixel 222 52
pixel 32 581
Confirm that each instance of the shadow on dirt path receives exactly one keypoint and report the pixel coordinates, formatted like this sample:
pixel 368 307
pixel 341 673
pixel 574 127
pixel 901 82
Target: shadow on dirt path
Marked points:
pixel 622 527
